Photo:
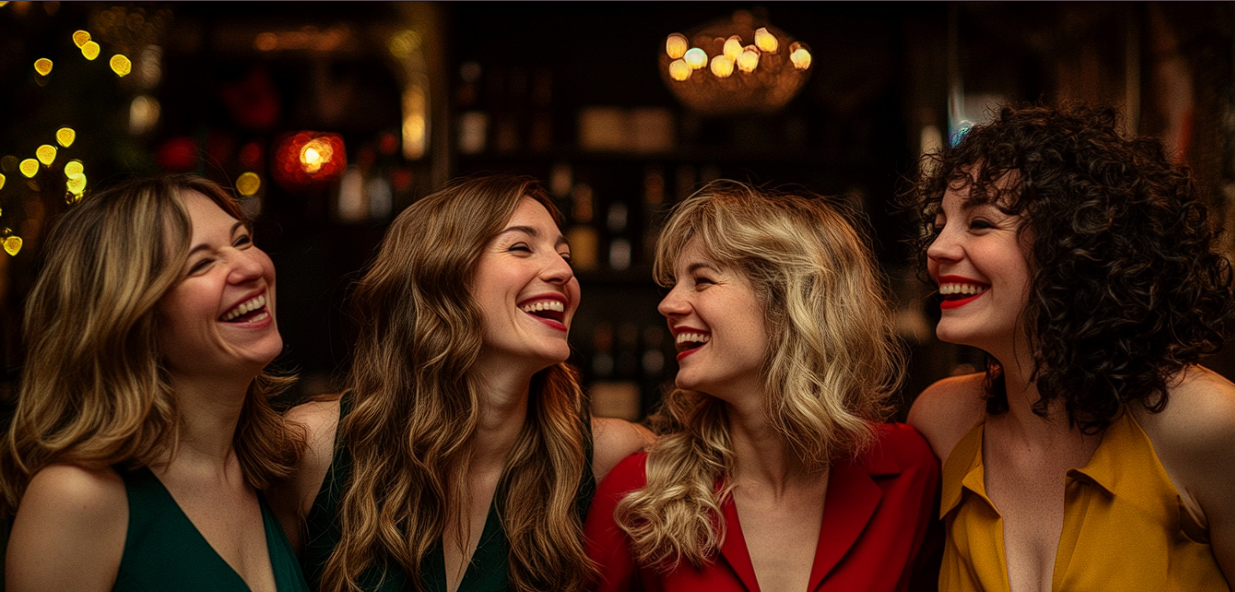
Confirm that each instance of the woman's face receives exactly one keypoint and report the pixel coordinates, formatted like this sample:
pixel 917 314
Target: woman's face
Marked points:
pixel 718 327
pixel 527 290
pixel 220 315
pixel 979 260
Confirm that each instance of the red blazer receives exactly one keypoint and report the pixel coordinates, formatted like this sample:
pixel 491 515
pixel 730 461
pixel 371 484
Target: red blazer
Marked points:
pixel 878 510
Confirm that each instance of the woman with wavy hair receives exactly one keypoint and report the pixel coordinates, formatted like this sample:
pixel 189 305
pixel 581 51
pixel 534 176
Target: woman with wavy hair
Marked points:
pixel 143 431
pixel 773 471
pixel 1094 453
pixel 461 457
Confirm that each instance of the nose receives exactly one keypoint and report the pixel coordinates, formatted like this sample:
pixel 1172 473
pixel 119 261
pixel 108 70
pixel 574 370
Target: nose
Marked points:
pixel 557 271
pixel 945 248
pixel 246 265
pixel 674 304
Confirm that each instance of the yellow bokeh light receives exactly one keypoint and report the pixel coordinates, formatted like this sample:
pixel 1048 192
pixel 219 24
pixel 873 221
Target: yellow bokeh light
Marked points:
pixel 403 44
pixel 749 60
pixel 1 181
pixel 676 46
pixel 766 41
pixel 90 50
pixel 80 38
pixel 42 66
pixel 733 48
pixel 65 136
pixel 722 66
pixel 314 154
pixel 800 58
pixel 74 168
pixel 29 167
pixel 76 185
pixel 696 58
pixel 679 71
pixel 248 183
pixel 121 65
pixel 46 154
pixel 12 245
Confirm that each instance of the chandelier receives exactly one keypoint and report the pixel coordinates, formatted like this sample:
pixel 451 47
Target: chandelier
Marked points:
pixel 734 65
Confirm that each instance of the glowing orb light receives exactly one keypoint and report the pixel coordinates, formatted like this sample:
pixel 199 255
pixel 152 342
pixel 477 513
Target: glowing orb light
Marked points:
pixel 29 167
pixel 121 65
pixel 65 136
pixel 46 154
pixel 309 158
pixel 42 66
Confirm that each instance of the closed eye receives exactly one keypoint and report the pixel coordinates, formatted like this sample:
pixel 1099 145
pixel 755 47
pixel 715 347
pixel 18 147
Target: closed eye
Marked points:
pixel 243 240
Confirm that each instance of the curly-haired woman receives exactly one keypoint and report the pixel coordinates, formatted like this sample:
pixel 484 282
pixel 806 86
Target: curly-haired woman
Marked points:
pixel 461 457
pixel 774 471
pixel 143 431
pixel 1094 453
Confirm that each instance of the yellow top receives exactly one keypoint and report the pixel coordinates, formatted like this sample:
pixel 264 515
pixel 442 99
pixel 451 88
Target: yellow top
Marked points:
pixel 1124 527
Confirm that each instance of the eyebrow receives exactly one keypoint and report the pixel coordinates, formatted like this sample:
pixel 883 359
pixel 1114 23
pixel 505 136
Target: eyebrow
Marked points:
pixel 534 233
pixel 693 267
pixel 204 246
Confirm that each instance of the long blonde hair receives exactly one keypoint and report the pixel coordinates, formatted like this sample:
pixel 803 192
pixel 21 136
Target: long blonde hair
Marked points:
pixel 94 391
pixel 417 409
pixel 831 365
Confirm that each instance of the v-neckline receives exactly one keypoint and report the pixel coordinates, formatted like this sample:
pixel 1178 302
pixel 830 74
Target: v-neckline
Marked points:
pixel 261 503
pixel 488 531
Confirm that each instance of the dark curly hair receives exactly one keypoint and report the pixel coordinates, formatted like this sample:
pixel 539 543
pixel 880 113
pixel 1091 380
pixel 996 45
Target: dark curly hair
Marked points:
pixel 1127 285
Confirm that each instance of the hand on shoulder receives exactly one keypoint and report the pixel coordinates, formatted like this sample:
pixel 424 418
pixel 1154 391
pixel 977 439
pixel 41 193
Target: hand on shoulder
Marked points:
pixel 947 410
pixel 615 439
pixel 69 531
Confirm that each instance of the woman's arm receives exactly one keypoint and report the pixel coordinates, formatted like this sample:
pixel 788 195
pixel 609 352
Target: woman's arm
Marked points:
pixel 69 531
pixel 614 440
pixel 292 498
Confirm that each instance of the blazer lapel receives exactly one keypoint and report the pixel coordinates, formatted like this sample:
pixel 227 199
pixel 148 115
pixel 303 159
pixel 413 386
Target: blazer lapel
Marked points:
pixel 733 548
pixel 851 501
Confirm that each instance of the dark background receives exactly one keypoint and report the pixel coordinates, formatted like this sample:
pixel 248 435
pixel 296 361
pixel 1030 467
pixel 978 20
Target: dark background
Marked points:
pixel 882 73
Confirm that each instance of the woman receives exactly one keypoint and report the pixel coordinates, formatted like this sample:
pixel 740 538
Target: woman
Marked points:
pixel 1094 453
pixel 464 456
pixel 772 471
pixel 143 431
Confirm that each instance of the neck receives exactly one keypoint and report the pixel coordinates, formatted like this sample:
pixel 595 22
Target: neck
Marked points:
pixel 503 399
pixel 208 411
pixel 761 454
pixel 1022 394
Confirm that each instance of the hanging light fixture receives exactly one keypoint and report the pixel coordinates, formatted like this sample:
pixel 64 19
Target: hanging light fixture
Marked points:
pixel 733 65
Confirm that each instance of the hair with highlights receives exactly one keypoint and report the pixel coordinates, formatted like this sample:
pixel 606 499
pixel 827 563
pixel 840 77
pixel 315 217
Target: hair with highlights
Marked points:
pixel 1127 285
pixel 94 389
pixel 417 408
pixel 831 365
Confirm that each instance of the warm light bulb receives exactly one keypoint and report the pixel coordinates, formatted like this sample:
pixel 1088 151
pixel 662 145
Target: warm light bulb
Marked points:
pixel 722 66
pixel 733 48
pixel 80 38
pixel 90 50
pixel 749 60
pixel 76 185
pixel 29 167
pixel 678 70
pixel 66 136
pixel 46 154
pixel 800 58
pixel 315 154
pixel 696 58
pixel 42 66
pixel 676 46
pixel 121 65
pixel 248 184
pixel 74 168
pixel 765 40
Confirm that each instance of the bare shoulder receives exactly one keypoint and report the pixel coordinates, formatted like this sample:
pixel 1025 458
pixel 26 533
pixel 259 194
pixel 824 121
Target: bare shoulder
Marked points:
pixel 69 530
pixel 947 410
pixel 1199 418
pixel 615 439
pixel 292 497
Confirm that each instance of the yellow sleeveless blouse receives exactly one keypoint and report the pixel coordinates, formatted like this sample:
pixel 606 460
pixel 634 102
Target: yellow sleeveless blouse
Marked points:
pixel 1124 527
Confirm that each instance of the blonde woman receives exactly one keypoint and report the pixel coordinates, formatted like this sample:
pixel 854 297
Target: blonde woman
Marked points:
pixel 462 456
pixel 773 472
pixel 143 431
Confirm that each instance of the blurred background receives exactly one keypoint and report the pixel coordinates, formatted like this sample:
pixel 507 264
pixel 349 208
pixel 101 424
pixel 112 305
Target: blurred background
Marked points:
pixel 328 118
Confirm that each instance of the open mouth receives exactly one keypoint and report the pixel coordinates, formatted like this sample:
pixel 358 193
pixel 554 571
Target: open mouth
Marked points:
pixel 960 294
pixel 688 342
pixel 553 310
pixel 253 309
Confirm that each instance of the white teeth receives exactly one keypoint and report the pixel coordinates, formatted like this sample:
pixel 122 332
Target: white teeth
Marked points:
pixel 967 289
pixel 553 305
pixel 245 307
pixel 692 337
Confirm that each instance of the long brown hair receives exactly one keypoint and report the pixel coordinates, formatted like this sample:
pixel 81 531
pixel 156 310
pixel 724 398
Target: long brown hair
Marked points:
pixel 417 409
pixel 94 390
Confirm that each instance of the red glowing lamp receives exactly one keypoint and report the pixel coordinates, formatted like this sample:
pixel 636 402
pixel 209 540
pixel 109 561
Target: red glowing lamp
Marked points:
pixel 307 159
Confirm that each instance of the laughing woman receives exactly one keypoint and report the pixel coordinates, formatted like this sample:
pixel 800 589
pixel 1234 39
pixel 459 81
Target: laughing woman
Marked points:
pixel 461 457
pixel 1094 453
pixel 773 472
pixel 143 430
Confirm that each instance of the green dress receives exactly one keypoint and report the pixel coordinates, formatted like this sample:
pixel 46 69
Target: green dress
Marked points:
pixel 164 551
pixel 488 570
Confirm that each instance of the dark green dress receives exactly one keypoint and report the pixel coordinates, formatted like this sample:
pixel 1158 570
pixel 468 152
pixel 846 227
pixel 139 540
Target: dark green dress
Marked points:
pixel 164 551
pixel 488 570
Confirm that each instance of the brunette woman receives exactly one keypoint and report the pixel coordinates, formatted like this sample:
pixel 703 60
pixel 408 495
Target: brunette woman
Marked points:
pixel 143 431
pixel 462 456
pixel 1094 453
pixel 773 471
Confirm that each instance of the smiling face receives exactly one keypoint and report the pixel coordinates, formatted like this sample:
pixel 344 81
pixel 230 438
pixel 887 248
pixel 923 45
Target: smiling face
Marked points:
pixel 220 315
pixel 527 291
pixel 979 260
pixel 717 323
